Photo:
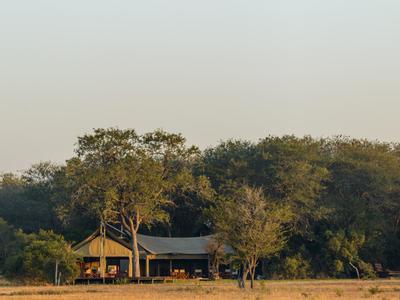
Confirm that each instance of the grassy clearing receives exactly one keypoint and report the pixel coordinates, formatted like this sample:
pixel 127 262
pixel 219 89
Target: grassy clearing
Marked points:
pixel 224 289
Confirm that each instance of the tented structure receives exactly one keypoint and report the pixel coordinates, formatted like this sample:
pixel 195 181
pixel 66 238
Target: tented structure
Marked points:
pixel 108 253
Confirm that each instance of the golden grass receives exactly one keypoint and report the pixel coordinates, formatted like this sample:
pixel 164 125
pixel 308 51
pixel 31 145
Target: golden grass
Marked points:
pixel 224 289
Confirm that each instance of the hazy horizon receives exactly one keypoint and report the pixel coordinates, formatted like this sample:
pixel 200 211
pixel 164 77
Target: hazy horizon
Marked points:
pixel 211 70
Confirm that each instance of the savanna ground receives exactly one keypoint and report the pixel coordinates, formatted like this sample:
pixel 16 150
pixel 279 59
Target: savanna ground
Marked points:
pixel 225 289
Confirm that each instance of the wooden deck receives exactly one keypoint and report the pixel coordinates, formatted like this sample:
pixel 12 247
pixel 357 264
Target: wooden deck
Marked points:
pixel 155 279
pixel 137 280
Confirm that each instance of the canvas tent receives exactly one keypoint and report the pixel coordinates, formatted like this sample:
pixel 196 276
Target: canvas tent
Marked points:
pixel 108 253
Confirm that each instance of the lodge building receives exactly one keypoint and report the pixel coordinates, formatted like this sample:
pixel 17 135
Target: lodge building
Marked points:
pixel 107 253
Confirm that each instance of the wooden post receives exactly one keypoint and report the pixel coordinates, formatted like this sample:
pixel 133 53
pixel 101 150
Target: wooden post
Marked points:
pixel 103 261
pixel 147 266
pixel 130 266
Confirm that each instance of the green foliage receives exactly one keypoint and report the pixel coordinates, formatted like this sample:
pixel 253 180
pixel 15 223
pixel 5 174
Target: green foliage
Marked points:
pixel 344 253
pixel 11 244
pixel 295 267
pixel 341 196
pixel 345 246
pixel 252 226
pixel 43 252
pixel 28 198
pixel 367 270
pixel 33 257
pixel 8 241
pixel 330 185
pixel 361 192
pixel 121 176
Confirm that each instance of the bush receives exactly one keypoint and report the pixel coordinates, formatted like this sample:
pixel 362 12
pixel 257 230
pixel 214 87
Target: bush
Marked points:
pixel 367 270
pixel 338 267
pixel 42 254
pixel 296 267
pixel 12 242
pixel 33 257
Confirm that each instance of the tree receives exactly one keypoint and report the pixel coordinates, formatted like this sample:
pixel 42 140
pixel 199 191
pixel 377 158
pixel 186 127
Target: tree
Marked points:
pixel 117 181
pixel 292 172
pixel 345 249
pixel 26 199
pixel 41 257
pixel 362 194
pixel 252 226
pixel 141 199
pixel 130 178
pixel 216 252
pixel 11 242
pixel 48 257
pixel 188 191
pixel 230 164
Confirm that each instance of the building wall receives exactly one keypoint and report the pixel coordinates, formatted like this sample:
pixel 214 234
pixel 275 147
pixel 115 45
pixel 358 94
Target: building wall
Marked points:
pixel 111 249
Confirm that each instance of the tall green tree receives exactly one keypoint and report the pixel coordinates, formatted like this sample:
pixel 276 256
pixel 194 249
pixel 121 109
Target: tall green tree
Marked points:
pixel 290 170
pixel 189 192
pixel 26 200
pixel 130 178
pixel 362 194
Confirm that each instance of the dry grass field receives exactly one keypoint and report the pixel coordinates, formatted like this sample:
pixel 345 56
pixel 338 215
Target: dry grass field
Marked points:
pixel 307 289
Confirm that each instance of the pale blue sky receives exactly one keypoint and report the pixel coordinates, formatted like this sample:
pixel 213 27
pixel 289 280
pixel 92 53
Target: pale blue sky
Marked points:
pixel 210 69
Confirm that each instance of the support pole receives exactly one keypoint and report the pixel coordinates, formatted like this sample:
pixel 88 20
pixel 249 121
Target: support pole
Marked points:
pixel 147 266
pixel 102 251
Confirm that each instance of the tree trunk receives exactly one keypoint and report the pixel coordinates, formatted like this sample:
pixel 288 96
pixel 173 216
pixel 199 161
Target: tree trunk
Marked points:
pixel 252 272
pixel 355 268
pixel 243 279
pixel 56 273
pixel 135 254
pixel 127 222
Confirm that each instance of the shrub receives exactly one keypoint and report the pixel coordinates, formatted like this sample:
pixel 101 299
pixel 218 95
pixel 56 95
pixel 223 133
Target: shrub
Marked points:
pixel 296 267
pixel 33 258
pixel 367 270
pixel 41 255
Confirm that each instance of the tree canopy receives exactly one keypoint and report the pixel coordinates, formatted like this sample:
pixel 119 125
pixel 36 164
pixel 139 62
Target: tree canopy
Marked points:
pixel 252 225
pixel 341 196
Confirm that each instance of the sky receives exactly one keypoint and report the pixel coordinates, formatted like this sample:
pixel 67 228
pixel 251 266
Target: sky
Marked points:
pixel 210 69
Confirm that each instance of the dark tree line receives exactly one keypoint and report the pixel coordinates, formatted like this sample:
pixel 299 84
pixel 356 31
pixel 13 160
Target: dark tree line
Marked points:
pixel 340 197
